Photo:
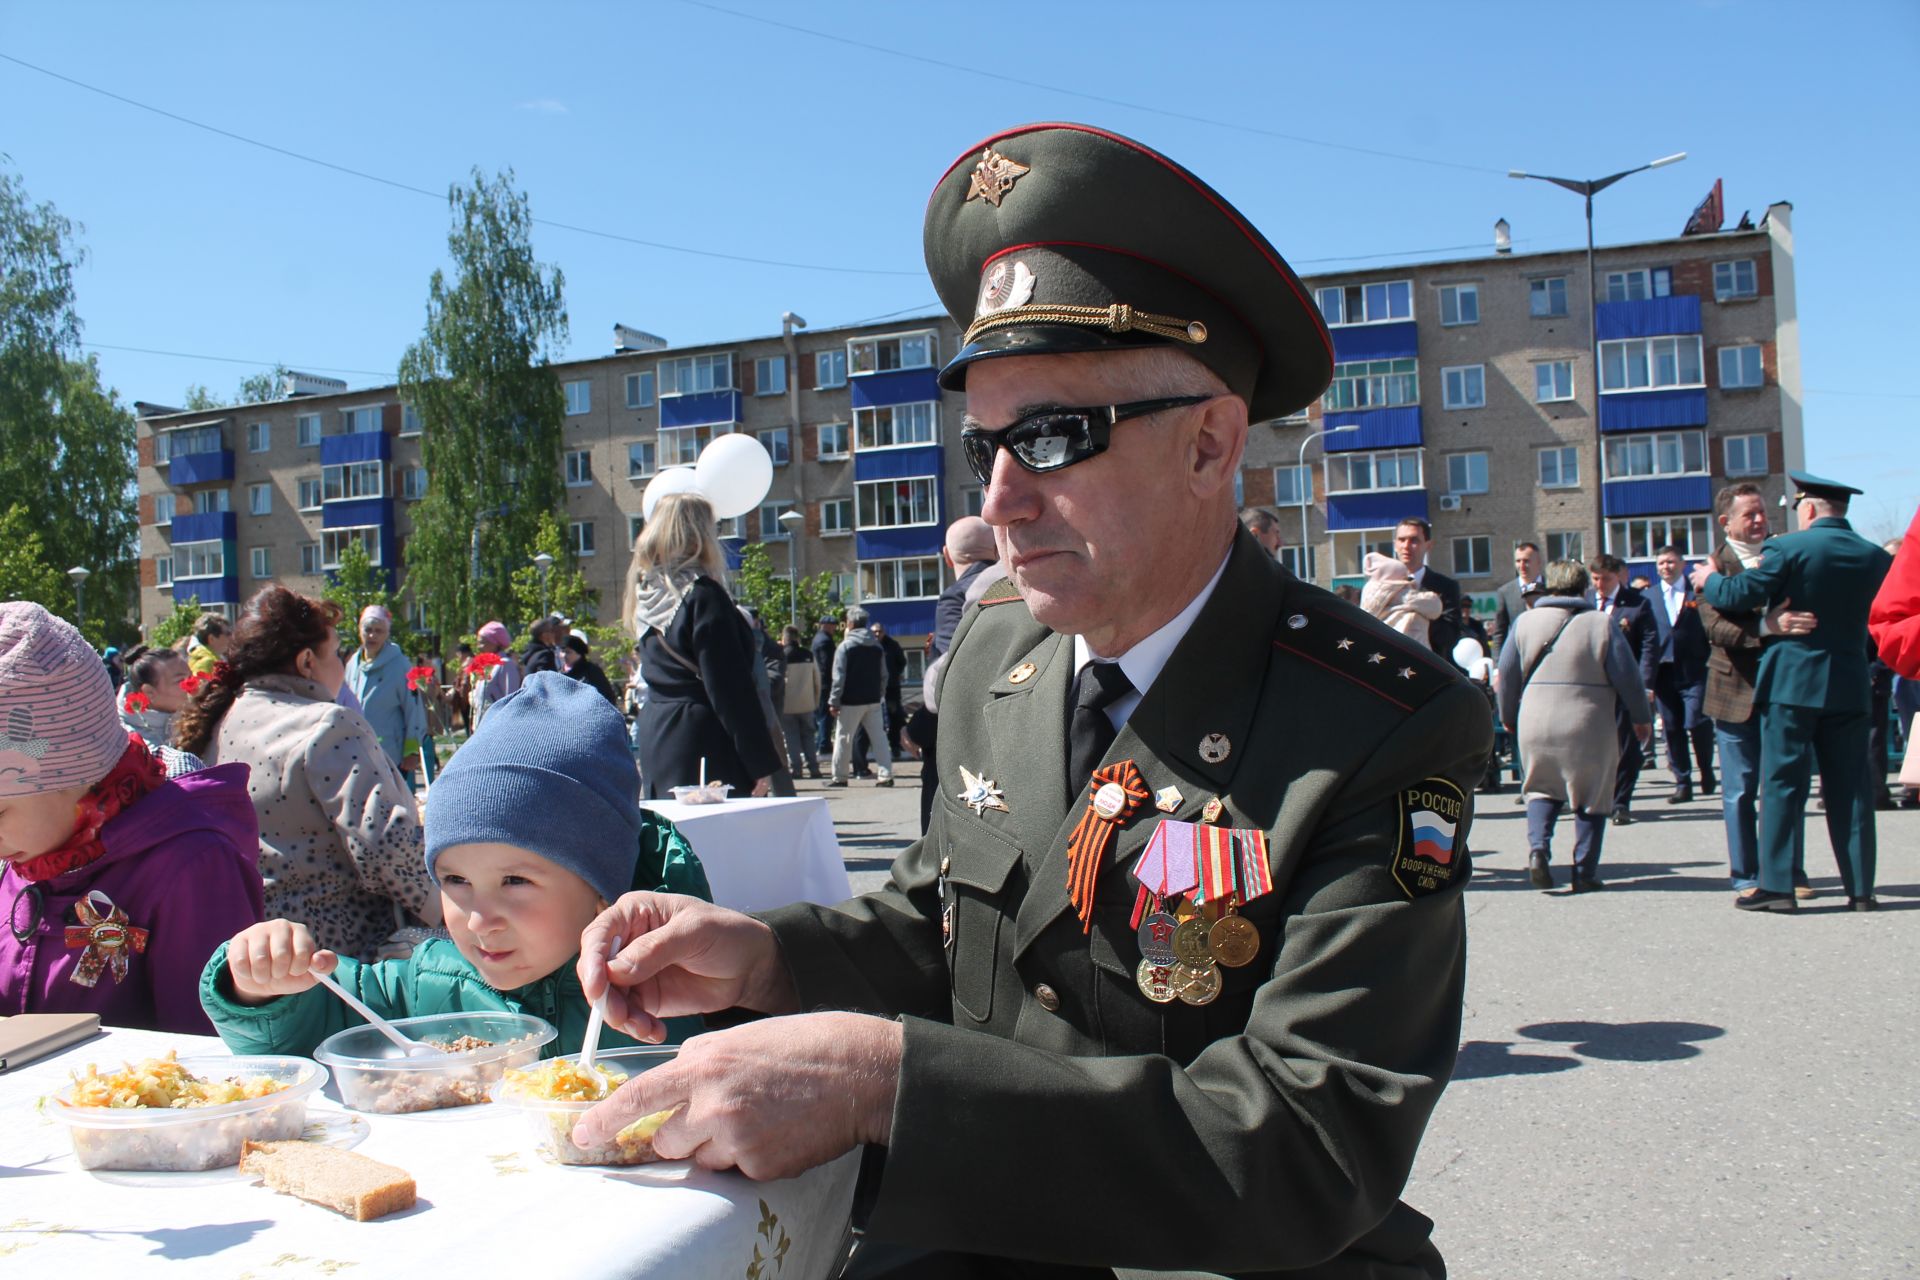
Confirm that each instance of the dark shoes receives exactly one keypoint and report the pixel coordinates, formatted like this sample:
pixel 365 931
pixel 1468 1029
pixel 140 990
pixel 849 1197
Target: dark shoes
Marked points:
pixel 1584 884
pixel 1761 900
pixel 1708 784
pixel 1682 794
pixel 1864 904
pixel 1621 818
pixel 1884 801
pixel 884 782
pixel 1539 870
pixel 838 782
pixel 814 772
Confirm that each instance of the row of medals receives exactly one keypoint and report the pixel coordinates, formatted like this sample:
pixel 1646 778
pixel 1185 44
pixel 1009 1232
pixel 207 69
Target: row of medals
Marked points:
pixel 1187 965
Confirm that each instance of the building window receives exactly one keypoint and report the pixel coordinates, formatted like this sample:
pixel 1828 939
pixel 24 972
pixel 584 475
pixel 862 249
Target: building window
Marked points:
pixel 581 532
pixel 770 376
pixel 1667 453
pixel 163 570
pixel 208 501
pixel 1369 472
pixel 973 500
pixel 1292 486
pixel 840 588
pixel 410 424
pixel 169 445
pixel 1552 380
pixel 681 446
pixel 1637 539
pixel 353 480
pixel 833 440
pixel 1649 364
pixel 259 499
pixel 1367 303
pixel 335 541
pixel 1746 455
pixel 777 445
pixel 690 375
pixel 306 430
pixel 1734 280
pixel 892 426
pixel 1459 304
pixel 640 460
pixel 310 559
pixel 639 391
pixel 1467 472
pixel 1638 285
pixel 413 483
pixel 1547 297
pixel 896 351
pixel 728 528
pixel 771 530
pixel 1473 557
pixel 309 489
pixel 894 504
pixel 163 509
pixel 1373 384
pixel 1290 557
pixel 259 437
pixel 830 368
pixel 260 562
pixel 1741 367
pixel 836 517
pixel 579 467
pixel 200 559
pixel 579 393
pixel 1566 544
pixel 1464 386
pixel 916 579
pixel 361 421
pixel 1560 467
pixel 635 523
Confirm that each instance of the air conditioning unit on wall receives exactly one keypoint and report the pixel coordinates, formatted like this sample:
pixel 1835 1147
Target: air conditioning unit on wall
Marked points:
pixel 1449 502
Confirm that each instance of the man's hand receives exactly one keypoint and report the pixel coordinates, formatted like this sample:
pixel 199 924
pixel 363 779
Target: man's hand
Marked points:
pixel 1644 732
pixel 763 787
pixel 1700 573
pixel 833 711
pixel 771 1099
pixel 274 958
pixel 409 763
pixel 1784 620
pixel 681 956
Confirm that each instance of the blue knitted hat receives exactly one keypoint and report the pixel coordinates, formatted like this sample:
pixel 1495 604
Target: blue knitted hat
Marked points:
pixel 548 770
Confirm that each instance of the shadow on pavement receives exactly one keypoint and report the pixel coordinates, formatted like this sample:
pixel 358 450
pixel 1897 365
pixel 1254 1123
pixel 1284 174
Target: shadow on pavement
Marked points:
pixel 1480 1059
pixel 1667 876
pixel 1599 1041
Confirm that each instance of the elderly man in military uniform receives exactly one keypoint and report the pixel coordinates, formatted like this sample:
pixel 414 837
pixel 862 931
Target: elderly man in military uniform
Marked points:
pixel 1173 982
pixel 1813 688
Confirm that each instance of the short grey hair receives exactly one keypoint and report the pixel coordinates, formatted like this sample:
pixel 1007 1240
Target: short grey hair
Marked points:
pixel 1567 578
pixel 856 616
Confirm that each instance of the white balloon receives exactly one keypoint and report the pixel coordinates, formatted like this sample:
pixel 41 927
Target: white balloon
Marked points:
pixel 735 472
pixel 674 480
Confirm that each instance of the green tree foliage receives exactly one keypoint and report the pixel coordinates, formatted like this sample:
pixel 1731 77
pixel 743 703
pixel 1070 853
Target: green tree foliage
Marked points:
pixel 354 586
pixel 490 409
pixel 567 592
pixel 66 442
pixel 255 388
pixel 26 573
pixel 176 626
pixel 757 585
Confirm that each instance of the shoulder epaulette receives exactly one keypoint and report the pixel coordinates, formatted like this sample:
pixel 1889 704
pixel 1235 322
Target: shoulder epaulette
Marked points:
pixel 1388 666
pixel 999 593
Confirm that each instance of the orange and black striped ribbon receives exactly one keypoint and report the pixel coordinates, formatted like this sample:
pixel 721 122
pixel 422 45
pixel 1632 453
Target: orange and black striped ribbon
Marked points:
pixel 1093 835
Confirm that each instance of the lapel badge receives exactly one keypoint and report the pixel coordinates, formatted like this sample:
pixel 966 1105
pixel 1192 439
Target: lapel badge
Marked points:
pixel 1007 284
pixel 1213 809
pixel 1022 673
pixel 993 177
pixel 1167 799
pixel 980 794
pixel 1214 748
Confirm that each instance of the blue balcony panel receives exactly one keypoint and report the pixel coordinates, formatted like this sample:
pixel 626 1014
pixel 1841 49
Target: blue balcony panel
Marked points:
pixel 1375 342
pixel 895 464
pixel 1648 318
pixel 902 617
pixel 895 544
pixel 733 549
pixel 1652 410
pixel 209 590
pixel 207 527
pixel 361 446
pixel 356 512
pixel 1375 510
pixel 1379 429
pixel 897 386
pixel 212 467
pixel 700 409
pixel 1673 494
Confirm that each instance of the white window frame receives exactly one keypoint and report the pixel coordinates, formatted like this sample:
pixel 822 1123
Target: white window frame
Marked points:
pixel 307 430
pixel 359 413
pixel 212 564
pixel 648 462
pixel 924 487
pixel 1464 298
pixel 1373 458
pixel 843 507
pixel 1563 454
pixel 830 368
pixel 411 424
pixel 259 437
pixel 1748 441
pixel 336 540
pixel 306 487
pixel 310 560
pixel 1646 353
pixel 1466 457
pixel 1541 287
pixel 635 523
pixel 352 477
pixel 1302 477
pixel 1729 272
pixel 681 446
pixel 845 432
pixel 701 373
pixel 1553 369
pixel 579 468
pixel 208 502
pixel 163 570
pixel 580 534
pixel 184 442
pixel 771 530
pixel 1657 445
pixel 882 580
pixel 260 499
pixel 259 562
pixel 778 442
pixel 1355 384
pixel 1637 284
pixel 1697 542
pixel 164 507
pixel 1340 297
pixel 869 355
pixel 1462 374
pixel 578 394
pixel 770 375
pixel 973 500
pixel 640 390
pixel 1479 559
pixel 1289 556
pixel 1562 536
pixel 1734 358
pixel 412 490
pixel 880 427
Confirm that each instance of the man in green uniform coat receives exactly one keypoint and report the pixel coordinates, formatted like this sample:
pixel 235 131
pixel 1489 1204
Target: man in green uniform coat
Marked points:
pixel 1813 688
pixel 1057 1069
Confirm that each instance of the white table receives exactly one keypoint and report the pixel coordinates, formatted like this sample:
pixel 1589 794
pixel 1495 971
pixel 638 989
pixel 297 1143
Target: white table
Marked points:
pixel 761 854
pixel 489 1204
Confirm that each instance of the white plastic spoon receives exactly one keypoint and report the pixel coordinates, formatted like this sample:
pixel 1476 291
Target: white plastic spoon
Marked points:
pixel 412 1048
pixel 598 1017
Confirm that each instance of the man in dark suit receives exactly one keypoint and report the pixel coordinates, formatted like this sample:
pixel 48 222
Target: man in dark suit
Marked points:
pixel 1627 609
pixel 1674 662
pixel 825 641
pixel 1511 600
pixel 1411 542
pixel 1813 691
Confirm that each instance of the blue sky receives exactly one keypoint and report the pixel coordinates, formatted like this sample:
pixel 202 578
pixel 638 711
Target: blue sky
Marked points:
pixel 678 122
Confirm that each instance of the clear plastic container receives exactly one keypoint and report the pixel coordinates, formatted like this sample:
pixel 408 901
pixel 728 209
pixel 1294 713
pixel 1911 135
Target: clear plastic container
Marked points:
pixel 551 1121
pixel 375 1076
pixel 190 1139
pixel 712 793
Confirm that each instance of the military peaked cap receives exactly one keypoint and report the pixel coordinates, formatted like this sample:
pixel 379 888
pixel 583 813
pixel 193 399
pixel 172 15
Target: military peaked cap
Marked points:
pixel 1812 486
pixel 1057 238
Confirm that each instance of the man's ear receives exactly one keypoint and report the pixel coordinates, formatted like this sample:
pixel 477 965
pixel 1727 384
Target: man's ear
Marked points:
pixel 1219 439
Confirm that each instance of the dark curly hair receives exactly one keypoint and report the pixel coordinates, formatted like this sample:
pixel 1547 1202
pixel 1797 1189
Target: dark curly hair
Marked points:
pixel 275 627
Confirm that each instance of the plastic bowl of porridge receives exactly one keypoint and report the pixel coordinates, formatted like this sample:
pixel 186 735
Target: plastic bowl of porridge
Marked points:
pixel 184 1115
pixel 376 1077
pixel 711 793
pixel 554 1095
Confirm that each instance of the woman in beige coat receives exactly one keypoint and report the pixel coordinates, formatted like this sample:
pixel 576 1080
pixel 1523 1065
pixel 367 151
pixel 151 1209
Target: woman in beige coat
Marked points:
pixel 1561 674
pixel 340 839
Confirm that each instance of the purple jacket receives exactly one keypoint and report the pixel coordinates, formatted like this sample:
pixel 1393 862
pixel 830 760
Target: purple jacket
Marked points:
pixel 183 863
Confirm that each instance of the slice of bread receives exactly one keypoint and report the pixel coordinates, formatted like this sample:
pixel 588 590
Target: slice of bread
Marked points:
pixel 344 1181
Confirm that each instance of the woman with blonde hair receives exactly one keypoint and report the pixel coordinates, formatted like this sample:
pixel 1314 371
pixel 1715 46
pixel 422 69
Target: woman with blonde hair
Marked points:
pixel 698 655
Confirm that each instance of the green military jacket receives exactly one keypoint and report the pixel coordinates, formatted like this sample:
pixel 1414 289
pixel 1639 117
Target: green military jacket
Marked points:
pixel 1833 572
pixel 1047 1110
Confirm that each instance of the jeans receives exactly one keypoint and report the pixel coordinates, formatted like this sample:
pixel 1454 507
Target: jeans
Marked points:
pixel 852 720
pixel 1739 788
pixel 823 727
pixel 798 731
pixel 1589 830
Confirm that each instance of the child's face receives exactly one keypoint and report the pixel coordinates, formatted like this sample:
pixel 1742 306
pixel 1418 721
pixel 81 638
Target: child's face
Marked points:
pixel 515 916
pixel 37 824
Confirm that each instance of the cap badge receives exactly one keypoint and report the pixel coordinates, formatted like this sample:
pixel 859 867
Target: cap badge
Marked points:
pixel 994 176
pixel 1007 284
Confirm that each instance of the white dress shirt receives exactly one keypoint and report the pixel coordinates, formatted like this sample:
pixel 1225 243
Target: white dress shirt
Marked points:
pixel 1675 597
pixel 1144 662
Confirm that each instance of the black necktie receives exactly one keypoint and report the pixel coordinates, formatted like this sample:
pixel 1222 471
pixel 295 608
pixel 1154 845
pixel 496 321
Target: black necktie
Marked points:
pixel 1098 686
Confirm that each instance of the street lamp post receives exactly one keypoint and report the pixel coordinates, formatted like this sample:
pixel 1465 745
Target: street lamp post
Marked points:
pixel 545 562
pixel 1306 556
pixel 793 520
pixel 79 574
pixel 1587 189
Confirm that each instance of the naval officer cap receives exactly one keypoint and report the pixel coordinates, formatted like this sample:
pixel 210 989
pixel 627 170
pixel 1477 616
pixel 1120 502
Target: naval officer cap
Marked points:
pixel 1807 485
pixel 1057 238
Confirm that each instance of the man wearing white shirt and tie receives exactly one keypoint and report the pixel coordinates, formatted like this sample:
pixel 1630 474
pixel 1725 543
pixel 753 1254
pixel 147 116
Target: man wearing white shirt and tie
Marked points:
pixel 1674 663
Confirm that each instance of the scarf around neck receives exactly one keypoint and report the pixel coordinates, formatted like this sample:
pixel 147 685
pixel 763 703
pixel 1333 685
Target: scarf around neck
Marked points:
pixel 658 597
pixel 138 772
pixel 1749 552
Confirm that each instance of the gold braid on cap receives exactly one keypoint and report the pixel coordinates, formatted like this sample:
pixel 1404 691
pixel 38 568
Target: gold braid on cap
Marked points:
pixel 1118 318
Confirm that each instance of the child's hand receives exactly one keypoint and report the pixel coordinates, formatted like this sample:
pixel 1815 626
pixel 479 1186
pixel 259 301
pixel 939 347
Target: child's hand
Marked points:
pixel 275 958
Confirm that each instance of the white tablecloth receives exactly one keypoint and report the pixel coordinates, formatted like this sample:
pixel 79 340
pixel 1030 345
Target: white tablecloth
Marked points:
pixel 761 854
pixel 489 1204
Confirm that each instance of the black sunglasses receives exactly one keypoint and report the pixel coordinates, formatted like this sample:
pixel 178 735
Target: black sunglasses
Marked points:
pixel 1052 439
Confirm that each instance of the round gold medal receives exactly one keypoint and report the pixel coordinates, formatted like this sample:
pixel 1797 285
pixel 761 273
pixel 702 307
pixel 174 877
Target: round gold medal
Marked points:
pixel 1190 943
pixel 1196 984
pixel 1155 982
pixel 1235 941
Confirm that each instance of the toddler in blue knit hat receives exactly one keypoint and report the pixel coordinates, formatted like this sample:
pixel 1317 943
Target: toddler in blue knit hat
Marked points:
pixel 533 828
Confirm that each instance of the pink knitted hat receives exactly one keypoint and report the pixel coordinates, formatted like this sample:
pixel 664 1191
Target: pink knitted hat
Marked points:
pixel 495 633
pixel 58 728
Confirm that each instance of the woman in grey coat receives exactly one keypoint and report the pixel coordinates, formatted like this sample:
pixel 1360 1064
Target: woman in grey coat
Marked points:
pixel 1560 677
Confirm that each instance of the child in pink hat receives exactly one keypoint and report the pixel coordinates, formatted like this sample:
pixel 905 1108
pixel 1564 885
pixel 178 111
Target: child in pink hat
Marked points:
pixel 119 884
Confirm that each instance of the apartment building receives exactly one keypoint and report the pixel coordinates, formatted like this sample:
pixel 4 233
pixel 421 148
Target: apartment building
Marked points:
pixel 1464 392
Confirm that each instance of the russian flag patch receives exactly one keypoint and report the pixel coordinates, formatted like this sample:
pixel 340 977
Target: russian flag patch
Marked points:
pixel 1431 851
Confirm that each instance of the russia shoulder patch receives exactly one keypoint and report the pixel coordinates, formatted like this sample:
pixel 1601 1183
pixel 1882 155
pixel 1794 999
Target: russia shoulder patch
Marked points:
pixel 1430 853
